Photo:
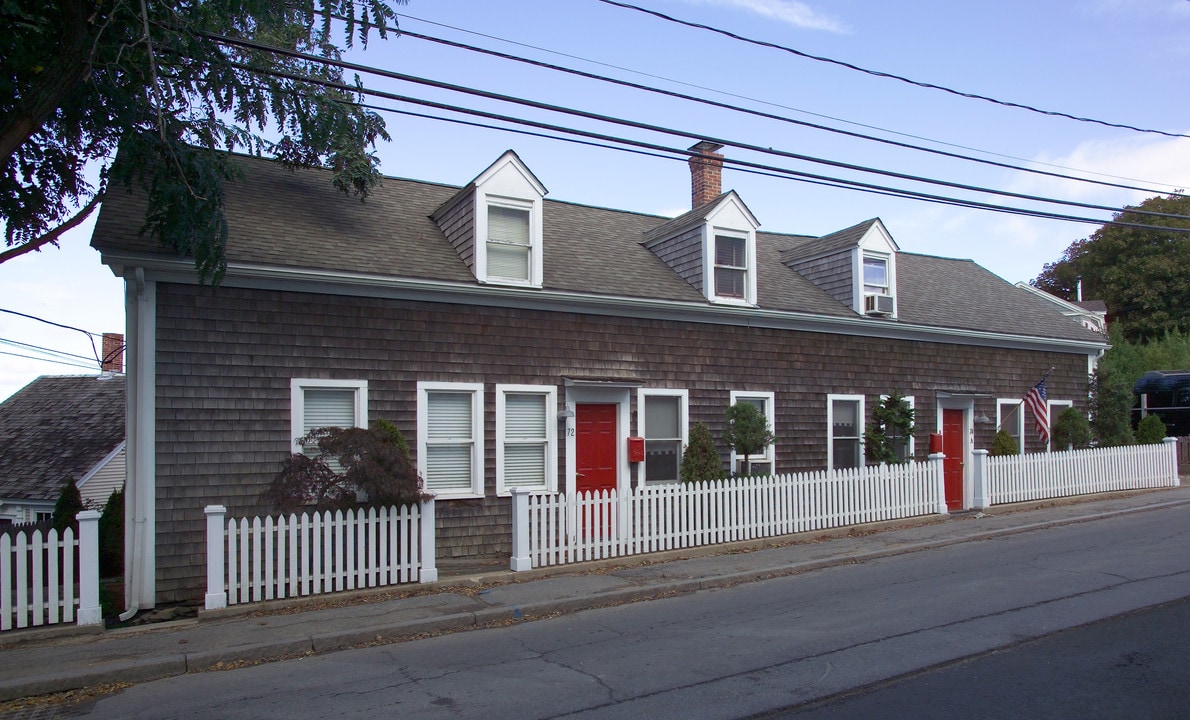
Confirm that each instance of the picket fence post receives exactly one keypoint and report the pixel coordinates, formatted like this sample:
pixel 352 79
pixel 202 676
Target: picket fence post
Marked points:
pixel 982 498
pixel 1171 449
pixel 936 461
pixel 520 560
pixel 89 612
pixel 216 590
pixel 429 551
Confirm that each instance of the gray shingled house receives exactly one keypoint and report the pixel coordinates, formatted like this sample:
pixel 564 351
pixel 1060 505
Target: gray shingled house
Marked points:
pixel 519 341
pixel 55 429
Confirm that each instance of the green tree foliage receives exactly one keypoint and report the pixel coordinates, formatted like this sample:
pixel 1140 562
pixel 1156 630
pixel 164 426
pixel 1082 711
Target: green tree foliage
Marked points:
pixel 351 467
pixel 1140 273
pixel 1071 430
pixel 1150 430
pixel 700 459
pixel 1111 406
pixel 111 536
pixel 748 432
pixel 886 437
pixel 1004 444
pixel 166 82
pixel 68 506
pixel 1118 370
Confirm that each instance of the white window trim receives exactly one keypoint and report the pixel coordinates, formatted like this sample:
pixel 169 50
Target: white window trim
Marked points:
pixel 830 426
pixel 858 287
pixel 477 469
pixel 1049 411
pixel 710 232
pixel 683 419
pixel 297 404
pixel 912 406
pixel 770 454
pixel 1020 420
pixel 551 435
pixel 533 207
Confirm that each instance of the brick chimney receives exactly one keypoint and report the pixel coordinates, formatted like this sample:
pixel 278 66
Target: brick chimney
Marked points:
pixel 113 353
pixel 706 174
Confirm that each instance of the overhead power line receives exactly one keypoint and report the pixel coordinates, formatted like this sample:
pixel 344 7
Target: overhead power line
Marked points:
pixel 769 103
pixel 48 360
pixel 746 166
pixel 600 117
pixel 762 114
pixel 891 76
pixel 90 336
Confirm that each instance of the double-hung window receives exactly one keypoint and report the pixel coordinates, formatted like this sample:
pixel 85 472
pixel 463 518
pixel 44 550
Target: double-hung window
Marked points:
pixel 1010 417
pixel 509 243
pixel 731 266
pixel 526 438
pixel 876 275
pixel 845 427
pixel 764 461
pixel 450 438
pixel 1056 408
pixel 318 403
pixel 663 415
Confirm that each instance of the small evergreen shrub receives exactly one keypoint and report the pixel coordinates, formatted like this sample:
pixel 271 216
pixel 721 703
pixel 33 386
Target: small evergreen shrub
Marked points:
pixel 886 438
pixel 700 459
pixel 1150 430
pixel 111 536
pixel 68 506
pixel 748 432
pixel 1071 430
pixel 1004 444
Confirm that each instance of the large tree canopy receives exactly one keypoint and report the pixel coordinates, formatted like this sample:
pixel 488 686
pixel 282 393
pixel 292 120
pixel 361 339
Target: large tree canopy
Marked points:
pixel 1140 273
pixel 79 79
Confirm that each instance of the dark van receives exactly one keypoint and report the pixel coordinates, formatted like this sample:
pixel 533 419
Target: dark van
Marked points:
pixel 1166 394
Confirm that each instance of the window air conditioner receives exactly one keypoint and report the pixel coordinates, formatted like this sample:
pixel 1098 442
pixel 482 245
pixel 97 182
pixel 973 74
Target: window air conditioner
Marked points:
pixel 878 304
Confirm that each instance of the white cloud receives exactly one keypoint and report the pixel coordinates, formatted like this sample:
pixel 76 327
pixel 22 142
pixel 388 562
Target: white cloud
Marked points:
pixel 1160 164
pixel 792 12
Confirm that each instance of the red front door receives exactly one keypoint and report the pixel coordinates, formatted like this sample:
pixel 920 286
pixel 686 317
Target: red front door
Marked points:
pixel 952 466
pixel 595 447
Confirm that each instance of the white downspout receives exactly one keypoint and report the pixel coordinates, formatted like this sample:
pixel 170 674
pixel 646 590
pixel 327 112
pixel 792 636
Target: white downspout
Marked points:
pixel 140 493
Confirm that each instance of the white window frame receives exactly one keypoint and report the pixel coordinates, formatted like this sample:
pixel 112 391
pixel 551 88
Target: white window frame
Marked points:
pixel 533 208
pixel 550 394
pixel 1020 420
pixel 683 423
pixel 1049 412
pixel 912 406
pixel 831 398
pixel 746 268
pixel 770 412
pixel 477 469
pixel 297 404
pixel 886 288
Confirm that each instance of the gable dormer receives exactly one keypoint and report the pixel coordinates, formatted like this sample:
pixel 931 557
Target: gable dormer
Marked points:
pixel 856 266
pixel 712 247
pixel 495 224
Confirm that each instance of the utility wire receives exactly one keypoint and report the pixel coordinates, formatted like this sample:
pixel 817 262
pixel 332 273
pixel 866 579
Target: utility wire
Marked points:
pixel 784 172
pixel 696 136
pixel 39 348
pixel 878 73
pixel 762 114
pixel 90 336
pixel 759 101
pixel 48 360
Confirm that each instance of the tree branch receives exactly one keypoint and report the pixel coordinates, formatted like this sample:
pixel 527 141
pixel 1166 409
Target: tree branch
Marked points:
pixel 52 236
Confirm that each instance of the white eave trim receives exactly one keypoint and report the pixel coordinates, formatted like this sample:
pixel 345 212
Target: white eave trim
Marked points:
pixel 327 282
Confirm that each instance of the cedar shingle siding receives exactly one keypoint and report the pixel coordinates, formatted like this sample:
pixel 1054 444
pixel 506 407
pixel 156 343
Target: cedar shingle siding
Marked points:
pixel 226 357
pixel 832 273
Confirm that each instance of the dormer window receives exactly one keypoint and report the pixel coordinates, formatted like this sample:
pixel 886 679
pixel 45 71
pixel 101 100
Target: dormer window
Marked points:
pixel 509 244
pixel 876 275
pixel 731 267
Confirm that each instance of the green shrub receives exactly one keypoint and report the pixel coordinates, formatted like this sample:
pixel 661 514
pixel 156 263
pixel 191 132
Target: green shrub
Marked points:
pixel 1071 429
pixel 68 506
pixel 748 432
pixel 1004 444
pixel 886 438
pixel 111 536
pixel 700 459
pixel 1151 430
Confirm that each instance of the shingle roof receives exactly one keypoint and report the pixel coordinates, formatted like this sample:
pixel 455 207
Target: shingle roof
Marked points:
pixel 57 428
pixel 296 219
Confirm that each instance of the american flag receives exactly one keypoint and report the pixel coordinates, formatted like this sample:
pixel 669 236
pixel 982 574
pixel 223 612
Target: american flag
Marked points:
pixel 1035 399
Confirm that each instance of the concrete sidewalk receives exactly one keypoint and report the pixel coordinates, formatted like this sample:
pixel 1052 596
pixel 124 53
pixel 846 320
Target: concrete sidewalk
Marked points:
pixel 35 663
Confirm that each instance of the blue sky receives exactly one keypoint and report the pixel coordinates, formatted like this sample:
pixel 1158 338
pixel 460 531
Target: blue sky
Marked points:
pixel 1123 62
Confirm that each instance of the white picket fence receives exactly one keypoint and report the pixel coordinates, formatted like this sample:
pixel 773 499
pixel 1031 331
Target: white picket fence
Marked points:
pixel 271 558
pixel 37 576
pixel 1038 476
pixel 555 529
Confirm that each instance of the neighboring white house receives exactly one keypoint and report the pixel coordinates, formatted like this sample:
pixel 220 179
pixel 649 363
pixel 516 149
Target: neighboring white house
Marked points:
pixel 55 429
